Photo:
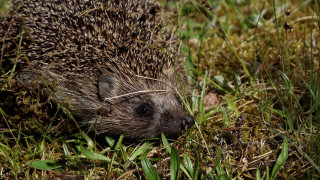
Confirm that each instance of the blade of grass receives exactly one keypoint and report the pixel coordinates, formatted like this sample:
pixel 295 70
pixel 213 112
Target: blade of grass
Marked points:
pixel 281 159
pixel 46 164
pixel 258 176
pixel 148 169
pixel 221 174
pixel 188 164
pixel 174 164
pixel 93 155
pixel 141 150
pixel 166 143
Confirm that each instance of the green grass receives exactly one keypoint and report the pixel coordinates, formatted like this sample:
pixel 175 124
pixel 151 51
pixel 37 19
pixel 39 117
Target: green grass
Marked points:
pixel 266 125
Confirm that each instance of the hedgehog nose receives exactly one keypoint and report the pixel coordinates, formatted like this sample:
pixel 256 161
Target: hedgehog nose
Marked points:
pixel 187 122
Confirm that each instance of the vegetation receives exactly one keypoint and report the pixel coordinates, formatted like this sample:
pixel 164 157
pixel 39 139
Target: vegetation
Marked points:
pixel 253 87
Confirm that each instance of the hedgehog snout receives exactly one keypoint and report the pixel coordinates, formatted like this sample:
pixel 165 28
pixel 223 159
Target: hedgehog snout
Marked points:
pixel 187 122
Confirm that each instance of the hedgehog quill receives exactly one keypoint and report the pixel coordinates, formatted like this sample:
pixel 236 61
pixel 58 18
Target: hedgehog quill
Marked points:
pixel 111 62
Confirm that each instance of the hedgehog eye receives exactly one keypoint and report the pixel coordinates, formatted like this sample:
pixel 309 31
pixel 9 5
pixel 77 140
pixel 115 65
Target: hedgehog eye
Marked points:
pixel 144 110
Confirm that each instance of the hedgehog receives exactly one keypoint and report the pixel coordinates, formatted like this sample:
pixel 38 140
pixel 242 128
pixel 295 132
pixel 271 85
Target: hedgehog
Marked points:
pixel 111 63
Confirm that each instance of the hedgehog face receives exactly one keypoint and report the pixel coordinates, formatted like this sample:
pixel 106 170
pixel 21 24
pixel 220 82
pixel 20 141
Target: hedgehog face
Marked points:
pixel 141 109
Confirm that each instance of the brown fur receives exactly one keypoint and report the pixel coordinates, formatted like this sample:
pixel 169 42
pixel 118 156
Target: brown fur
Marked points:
pixel 98 54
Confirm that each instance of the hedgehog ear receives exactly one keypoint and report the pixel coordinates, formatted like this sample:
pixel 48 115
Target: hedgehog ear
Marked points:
pixel 108 85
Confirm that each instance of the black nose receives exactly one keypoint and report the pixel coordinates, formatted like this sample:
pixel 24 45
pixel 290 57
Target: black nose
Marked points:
pixel 187 122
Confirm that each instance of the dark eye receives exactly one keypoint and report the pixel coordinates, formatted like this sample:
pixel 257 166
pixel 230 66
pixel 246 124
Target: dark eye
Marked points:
pixel 144 110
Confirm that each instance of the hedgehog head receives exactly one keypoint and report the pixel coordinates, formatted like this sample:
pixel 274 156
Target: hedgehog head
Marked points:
pixel 139 106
